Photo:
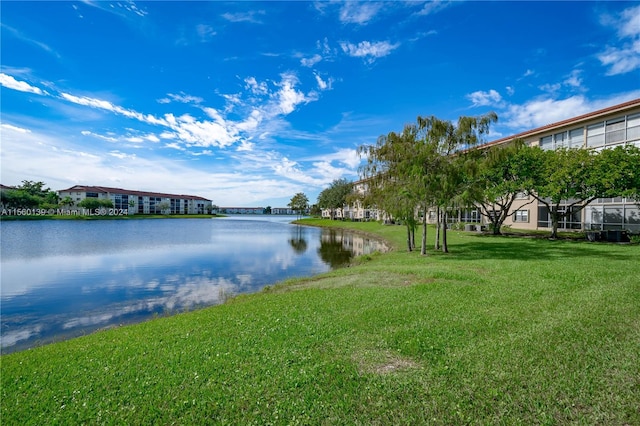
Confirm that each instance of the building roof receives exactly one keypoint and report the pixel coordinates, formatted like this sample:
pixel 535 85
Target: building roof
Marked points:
pixel 574 120
pixel 106 189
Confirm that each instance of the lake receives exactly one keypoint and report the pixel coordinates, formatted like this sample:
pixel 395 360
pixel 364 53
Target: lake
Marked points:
pixel 65 278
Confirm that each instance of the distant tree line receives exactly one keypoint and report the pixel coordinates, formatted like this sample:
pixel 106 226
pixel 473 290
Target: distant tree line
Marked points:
pixel 29 195
pixel 34 195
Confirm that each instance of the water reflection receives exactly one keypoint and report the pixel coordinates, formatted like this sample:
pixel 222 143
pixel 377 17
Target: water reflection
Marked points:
pixel 298 241
pixel 62 279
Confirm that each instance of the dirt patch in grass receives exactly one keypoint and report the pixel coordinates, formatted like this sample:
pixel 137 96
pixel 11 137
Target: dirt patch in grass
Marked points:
pixel 383 362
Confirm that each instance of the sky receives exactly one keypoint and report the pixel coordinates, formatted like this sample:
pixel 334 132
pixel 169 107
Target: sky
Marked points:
pixel 248 103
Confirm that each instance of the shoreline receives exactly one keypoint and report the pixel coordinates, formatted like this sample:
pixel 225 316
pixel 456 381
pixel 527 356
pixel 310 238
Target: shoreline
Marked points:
pixel 107 217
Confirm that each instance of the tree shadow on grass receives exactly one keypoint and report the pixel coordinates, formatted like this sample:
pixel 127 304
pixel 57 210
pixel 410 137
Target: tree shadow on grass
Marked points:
pixel 476 247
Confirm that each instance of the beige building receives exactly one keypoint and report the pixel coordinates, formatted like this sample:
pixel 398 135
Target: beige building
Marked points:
pixel 140 202
pixel 605 128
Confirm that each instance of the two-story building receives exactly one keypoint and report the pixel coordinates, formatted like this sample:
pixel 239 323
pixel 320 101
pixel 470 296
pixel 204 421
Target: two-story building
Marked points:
pixel 601 129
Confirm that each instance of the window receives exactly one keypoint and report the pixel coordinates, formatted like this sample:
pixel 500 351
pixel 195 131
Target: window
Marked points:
pixel 615 131
pixel 595 135
pixel 633 127
pixel 560 140
pixel 91 195
pixel 521 216
pixel 546 142
pixel 576 138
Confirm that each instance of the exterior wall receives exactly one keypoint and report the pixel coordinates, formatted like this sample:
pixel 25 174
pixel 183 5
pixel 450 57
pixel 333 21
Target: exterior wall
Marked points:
pixel 138 202
pixel 285 211
pixel 242 210
pixel 602 129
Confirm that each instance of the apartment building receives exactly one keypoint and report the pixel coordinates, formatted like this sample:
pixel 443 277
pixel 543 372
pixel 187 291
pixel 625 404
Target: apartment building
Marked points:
pixel 140 202
pixel 601 129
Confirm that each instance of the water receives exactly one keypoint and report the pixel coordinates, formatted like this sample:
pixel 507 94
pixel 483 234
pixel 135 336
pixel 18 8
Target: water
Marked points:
pixel 62 279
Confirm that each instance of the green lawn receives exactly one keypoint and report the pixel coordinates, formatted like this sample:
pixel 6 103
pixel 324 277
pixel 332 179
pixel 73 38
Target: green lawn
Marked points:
pixel 502 330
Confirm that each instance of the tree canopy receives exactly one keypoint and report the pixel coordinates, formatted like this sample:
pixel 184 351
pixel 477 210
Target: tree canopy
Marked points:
pixel 335 196
pixel 299 203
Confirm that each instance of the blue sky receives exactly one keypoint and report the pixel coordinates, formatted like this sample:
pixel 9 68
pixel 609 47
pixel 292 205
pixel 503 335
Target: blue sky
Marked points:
pixel 248 103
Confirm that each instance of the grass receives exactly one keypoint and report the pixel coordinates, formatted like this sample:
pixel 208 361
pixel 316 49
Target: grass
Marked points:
pixel 502 330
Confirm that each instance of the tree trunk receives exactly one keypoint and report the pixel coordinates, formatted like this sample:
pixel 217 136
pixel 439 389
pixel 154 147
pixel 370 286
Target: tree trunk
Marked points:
pixel 409 237
pixel 497 224
pixel 437 244
pixel 554 222
pixel 423 245
pixel 445 247
pixel 413 236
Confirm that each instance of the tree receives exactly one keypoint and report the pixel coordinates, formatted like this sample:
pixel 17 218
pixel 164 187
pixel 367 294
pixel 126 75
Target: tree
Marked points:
pixel 299 203
pixel 95 203
pixel 315 210
pixel 267 210
pixel 618 172
pixel 66 201
pixel 564 181
pixel 503 174
pixel 34 188
pixel 335 196
pixel 165 207
pixel 389 174
pixel 19 199
pixel 451 170
pixel 30 195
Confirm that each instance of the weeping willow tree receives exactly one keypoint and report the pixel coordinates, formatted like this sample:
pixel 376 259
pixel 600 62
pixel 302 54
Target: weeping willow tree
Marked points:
pixel 454 163
pixel 427 164
pixel 390 186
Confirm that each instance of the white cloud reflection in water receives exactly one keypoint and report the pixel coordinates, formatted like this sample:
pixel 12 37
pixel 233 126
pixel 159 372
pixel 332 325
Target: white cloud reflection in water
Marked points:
pixel 77 277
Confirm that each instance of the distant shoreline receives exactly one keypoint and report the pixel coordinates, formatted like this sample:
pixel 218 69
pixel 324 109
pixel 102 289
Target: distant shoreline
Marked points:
pixel 109 217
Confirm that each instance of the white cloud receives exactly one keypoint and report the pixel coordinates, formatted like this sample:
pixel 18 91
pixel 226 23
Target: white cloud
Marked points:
pixel 543 111
pixel 621 60
pixel 256 88
pixel 182 97
pixel 481 98
pixel 574 79
pixel 288 97
pixel 355 12
pixel 347 156
pixel 323 85
pixel 369 51
pixel 290 170
pixel 205 32
pixel 22 86
pixel 15 128
pixel 309 62
pixel 626 57
pixel 117 8
pixel 251 16
pixel 434 6
pixel 174 145
pixel 26 39
pixel 95 135
pixel 121 155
